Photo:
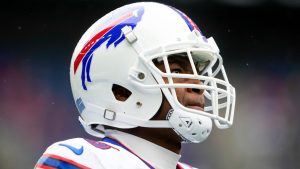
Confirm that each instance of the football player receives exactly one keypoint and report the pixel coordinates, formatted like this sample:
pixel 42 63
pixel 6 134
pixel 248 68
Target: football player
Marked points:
pixel 144 80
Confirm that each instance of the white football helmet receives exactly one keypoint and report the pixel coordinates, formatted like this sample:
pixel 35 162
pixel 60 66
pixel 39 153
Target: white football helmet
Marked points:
pixel 119 50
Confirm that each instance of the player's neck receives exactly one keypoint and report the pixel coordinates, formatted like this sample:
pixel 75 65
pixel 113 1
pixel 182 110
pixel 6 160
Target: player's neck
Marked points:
pixel 166 138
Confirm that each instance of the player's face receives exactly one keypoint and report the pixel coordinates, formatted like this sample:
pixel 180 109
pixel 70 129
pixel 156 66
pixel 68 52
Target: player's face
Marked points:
pixel 191 98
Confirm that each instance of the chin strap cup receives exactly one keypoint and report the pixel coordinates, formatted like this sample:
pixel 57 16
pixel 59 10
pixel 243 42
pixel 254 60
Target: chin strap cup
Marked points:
pixel 190 127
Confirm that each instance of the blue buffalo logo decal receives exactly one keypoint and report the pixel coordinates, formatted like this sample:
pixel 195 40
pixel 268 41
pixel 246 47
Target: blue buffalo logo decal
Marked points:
pixel 112 34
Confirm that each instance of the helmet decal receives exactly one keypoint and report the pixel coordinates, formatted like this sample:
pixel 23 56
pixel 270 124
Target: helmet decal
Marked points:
pixel 113 34
pixel 187 20
pixel 80 105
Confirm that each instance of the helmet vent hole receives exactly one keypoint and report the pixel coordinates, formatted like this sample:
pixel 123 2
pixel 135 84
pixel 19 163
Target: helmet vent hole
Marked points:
pixel 120 92
pixel 200 122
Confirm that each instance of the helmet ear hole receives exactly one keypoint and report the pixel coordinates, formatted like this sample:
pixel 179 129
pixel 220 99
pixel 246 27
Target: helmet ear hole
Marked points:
pixel 120 92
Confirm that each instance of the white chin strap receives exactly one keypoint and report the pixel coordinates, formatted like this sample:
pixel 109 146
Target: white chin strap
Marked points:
pixel 192 128
pixel 101 116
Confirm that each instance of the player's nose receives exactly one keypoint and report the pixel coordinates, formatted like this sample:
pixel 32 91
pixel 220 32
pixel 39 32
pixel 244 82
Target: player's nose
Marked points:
pixel 195 90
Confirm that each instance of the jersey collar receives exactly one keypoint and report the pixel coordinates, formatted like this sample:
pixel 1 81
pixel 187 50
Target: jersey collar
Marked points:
pixel 150 153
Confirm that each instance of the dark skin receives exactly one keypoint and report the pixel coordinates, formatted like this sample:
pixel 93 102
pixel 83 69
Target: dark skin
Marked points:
pixel 192 98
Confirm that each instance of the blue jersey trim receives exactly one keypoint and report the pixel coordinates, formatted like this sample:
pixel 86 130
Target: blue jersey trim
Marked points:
pixel 52 162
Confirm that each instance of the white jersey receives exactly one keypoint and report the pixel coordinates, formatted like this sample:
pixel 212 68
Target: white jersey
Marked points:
pixel 79 153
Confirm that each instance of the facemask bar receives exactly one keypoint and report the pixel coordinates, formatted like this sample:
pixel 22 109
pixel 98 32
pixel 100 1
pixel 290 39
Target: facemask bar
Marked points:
pixel 209 83
pixel 221 100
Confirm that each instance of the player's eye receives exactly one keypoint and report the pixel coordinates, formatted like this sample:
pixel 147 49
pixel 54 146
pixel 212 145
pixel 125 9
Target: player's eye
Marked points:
pixel 176 71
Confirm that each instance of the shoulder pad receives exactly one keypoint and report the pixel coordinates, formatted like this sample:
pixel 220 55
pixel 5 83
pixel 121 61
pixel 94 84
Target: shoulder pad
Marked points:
pixel 72 153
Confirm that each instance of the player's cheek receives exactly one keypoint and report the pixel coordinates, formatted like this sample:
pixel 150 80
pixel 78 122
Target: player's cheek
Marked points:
pixel 180 92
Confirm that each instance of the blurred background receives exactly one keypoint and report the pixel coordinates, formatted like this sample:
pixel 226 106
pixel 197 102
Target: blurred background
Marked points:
pixel 259 41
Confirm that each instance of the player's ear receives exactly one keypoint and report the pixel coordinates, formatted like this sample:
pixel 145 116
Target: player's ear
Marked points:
pixel 120 92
